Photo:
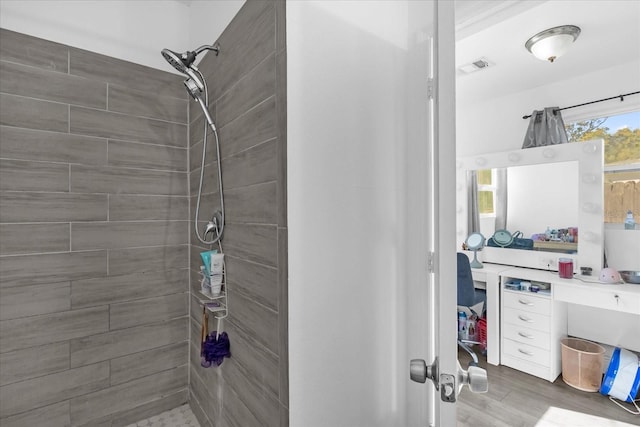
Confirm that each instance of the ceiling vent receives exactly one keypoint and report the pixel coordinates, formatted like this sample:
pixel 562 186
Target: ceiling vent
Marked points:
pixel 476 65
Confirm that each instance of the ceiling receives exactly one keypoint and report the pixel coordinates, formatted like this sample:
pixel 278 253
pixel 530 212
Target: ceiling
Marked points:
pixel 498 30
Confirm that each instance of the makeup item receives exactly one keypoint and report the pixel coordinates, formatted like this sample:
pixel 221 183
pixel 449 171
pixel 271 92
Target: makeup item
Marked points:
pixel 565 268
pixel 512 286
pixel 525 286
pixel 534 288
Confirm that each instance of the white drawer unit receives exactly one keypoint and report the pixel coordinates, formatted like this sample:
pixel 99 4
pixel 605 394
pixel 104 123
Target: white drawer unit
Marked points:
pixel 532 325
pixel 528 301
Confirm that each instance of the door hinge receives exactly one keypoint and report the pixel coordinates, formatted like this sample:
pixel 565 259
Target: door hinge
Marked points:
pixel 430 88
pixel 431 262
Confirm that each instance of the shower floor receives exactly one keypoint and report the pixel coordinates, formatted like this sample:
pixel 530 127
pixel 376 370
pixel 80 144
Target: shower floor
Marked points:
pixel 177 417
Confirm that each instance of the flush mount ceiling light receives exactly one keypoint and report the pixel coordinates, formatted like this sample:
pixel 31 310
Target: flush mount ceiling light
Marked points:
pixel 549 44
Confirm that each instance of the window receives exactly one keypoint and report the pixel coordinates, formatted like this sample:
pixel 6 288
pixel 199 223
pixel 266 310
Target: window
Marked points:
pixel 486 193
pixel 621 135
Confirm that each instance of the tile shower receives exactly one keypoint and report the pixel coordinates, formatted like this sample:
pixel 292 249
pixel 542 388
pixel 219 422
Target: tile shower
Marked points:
pixel 99 161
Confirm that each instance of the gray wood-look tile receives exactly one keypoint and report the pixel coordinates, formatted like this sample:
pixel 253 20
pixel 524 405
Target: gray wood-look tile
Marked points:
pixel 141 208
pixel 236 412
pixel 149 409
pixel 147 156
pixel 254 204
pixel 35 82
pixel 127 396
pixel 21 175
pixel 251 128
pixel 255 320
pixel 283 314
pixel 198 386
pixel 259 363
pixel 33 331
pixel 255 281
pixel 105 346
pixel 262 404
pixel 29 50
pixel 165 258
pixel 128 287
pixel 22 270
pixel 281 29
pixel 246 41
pixel 127 181
pixel 209 182
pixel 253 166
pixel 125 73
pixel 56 415
pixel 281 108
pixel 18 239
pixel 252 242
pixel 195 153
pixel 28 144
pixel 196 408
pixel 33 362
pixel 33 114
pixel 148 362
pixel 146 311
pixel 147 104
pixel 106 124
pixel 24 301
pixel 255 87
pixel 42 391
pixel 127 234
pixel 197 122
pixel 52 207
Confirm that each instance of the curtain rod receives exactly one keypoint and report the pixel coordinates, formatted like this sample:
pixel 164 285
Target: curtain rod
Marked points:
pixel 592 102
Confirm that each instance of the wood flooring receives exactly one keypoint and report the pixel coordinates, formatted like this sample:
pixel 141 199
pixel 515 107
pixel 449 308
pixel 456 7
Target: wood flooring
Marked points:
pixel 516 399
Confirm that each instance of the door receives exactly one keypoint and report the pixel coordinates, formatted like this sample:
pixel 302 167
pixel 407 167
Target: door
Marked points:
pixel 436 335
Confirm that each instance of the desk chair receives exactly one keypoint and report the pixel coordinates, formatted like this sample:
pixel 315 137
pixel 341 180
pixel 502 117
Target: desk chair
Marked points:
pixel 469 296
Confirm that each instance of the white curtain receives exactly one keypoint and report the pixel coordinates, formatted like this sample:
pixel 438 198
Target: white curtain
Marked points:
pixel 501 199
pixel 473 220
pixel 545 128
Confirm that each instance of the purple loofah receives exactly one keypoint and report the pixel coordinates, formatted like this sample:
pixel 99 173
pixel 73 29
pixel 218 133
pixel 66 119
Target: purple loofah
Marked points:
pixel 215 350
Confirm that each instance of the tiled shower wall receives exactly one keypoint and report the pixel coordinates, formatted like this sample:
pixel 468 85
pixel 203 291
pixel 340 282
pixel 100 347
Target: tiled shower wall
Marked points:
pixel 247 92
pixel 93 237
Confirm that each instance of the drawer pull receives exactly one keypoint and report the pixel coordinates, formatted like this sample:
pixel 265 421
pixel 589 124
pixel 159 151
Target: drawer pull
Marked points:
pixel 524 319
pixel 527 336
pixel 528 353
pixel 525 302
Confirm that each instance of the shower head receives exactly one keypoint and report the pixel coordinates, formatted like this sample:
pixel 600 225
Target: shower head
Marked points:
pixel 183 61
pixel 179 61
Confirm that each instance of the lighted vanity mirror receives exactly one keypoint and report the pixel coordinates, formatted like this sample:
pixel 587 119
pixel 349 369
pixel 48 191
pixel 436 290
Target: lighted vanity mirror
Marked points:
pixel 541 199
pixel 559 187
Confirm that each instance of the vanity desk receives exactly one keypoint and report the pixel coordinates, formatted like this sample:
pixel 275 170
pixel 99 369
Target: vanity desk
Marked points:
pixel 524 328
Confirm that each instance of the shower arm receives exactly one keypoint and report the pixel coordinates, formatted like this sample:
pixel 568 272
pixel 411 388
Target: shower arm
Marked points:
pixel 214 47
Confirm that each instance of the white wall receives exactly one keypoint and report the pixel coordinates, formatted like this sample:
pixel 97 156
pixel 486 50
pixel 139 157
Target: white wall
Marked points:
pixel 207 20
pixel 347 120
pixel 133 30
pixel 496 124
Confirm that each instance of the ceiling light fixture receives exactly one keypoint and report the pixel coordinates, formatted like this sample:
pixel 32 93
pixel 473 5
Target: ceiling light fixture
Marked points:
pixel 549 44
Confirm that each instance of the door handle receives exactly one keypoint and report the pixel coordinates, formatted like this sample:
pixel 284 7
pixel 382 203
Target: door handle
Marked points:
pixel 525 302
pixel 475 378
pixel 523 335
pixel 524 319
